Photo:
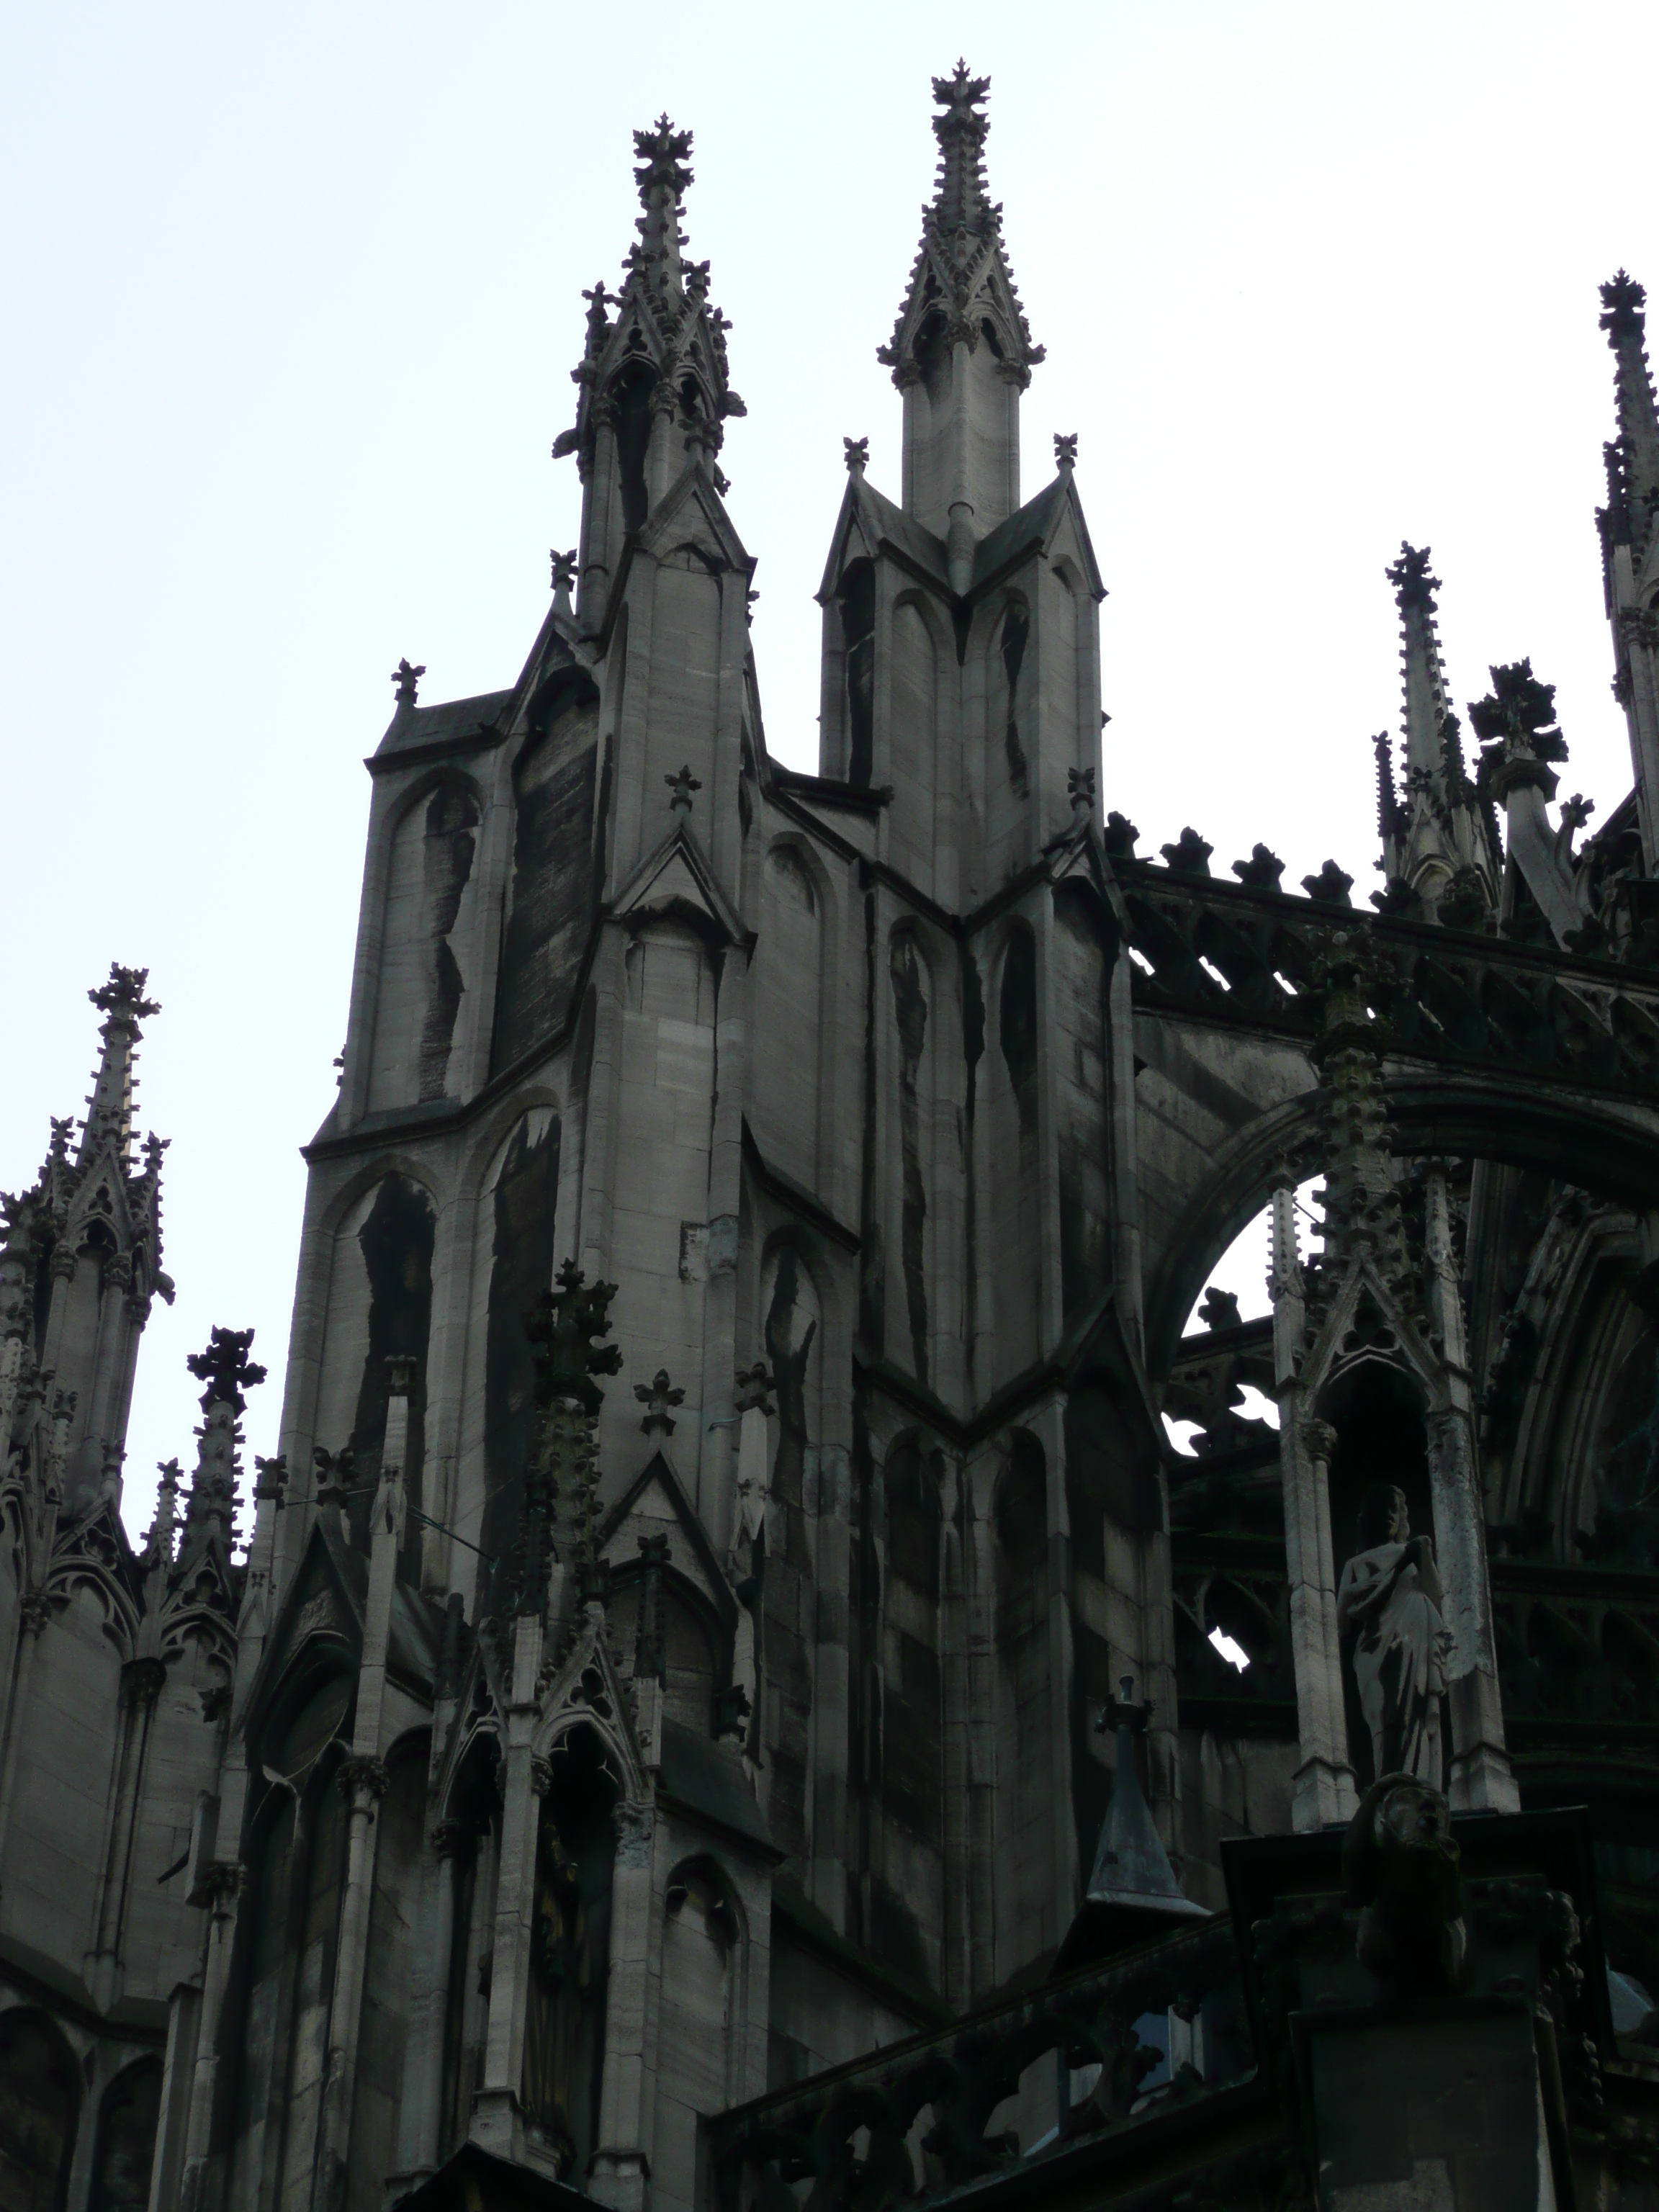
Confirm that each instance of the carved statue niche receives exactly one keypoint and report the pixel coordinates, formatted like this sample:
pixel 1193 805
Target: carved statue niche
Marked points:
pixel 570 1950
pixel 1388 1601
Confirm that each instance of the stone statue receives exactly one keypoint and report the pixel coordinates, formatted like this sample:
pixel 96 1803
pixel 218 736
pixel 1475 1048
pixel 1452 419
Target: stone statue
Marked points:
pixel 1402 1866
pixel 1388 1600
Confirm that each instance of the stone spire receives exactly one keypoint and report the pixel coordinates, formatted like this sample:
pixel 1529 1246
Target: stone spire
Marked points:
pixel 1362 1199
pixel 961 351
pixel 1624 318
pixel 226 1369
pixel 555 1543
pixel 1438 840
pixel 109 1110
pixel 655 390
pixel 1519 740
pixel 1628 546
pixel 92 1226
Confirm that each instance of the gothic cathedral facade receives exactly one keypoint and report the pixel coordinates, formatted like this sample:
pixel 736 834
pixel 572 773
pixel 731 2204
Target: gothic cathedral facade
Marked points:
pixel 728 1696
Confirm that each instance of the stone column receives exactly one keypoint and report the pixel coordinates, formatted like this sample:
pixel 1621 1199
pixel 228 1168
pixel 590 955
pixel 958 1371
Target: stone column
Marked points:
pixel 34 1611
pixel 621 2165
pixel 496 2108
pixel 421 2126
pixel 1479 1776
pixel 361 1781
pixel 222 1888
pixel 142 1681
pixel 1322 1793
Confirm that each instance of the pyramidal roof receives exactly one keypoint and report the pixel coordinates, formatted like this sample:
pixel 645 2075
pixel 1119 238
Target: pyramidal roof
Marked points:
pixel 961 276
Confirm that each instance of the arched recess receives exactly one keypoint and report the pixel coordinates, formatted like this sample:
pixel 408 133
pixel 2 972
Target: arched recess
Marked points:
pixel 855 596
pixel 428 947
pixel 792 1335
pixel 1010 685
pixel 1024 1811
pixel 1012 1182
pixel 912 740
pixel 570 1950
pixel 39 2103
pixel 400 1821
pixel 1064 741
pixel 1378 1407
pixel 911 1661
pixel 1083 945
pixel 913 1150
pixel 470 1860
pixel 697 1658
pixel 699 2024
pixel 380 1303
pixel 513 1266
pixel 276 2021
pixel 788 997
pixel 125 2151
pixel 550 896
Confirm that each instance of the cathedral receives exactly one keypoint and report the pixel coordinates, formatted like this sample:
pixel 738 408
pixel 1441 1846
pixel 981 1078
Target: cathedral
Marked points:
pixel 729 1699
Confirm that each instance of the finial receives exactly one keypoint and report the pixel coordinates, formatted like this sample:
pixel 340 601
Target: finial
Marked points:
pixel 334 1472
pixel 1066 449
pixel 158 1544
pixel 407 680
pixel 752 1390
pixel 1261 872
pixel 1516 725
pixel 1413 585
pixel 123 997
pixel 270 1479
pixel 564 576
pixel 1330 887
pixel 961 95
pixel 682 783
pixel 225 1368
pixel 661 153
pixel 657 1397
pixel 1189 855
pixel 1120 836
pixel 1623 301
pixel 1080 790
pixel 563 1327
pixel 856 452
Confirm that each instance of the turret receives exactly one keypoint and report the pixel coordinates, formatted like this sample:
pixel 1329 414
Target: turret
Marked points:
pixel 83 1257
pixel 961 352
pixel 654 387
pixel 1438 839
pixel 1629 546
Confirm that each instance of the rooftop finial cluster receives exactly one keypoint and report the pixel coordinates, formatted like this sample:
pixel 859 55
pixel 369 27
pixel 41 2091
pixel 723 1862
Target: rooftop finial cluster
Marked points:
pixel 960 200
pixel 1623 304
pixel 225 1368
pixel 962 271
pixel 122 998
pixel 661 152
pixel 1413 584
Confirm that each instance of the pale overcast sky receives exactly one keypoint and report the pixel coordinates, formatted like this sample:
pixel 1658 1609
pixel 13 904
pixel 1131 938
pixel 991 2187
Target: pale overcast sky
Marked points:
pixel 294 295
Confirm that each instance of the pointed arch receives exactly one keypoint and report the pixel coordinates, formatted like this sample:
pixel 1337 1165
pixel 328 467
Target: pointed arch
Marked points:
pixel 789 994
pixel 379 1304
pixel 428 943
pixel 40 2110
pixel 549 893
pixel 1012 1182
pixel 129 2114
